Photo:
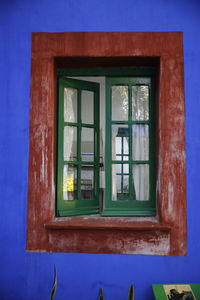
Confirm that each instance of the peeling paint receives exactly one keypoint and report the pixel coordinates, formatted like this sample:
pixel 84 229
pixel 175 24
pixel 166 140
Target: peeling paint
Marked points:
pixel 170 198
pixel 170 185
pixel 157 247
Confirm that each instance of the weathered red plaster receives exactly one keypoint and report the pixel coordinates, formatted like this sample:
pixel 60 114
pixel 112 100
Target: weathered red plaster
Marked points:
pixel 164 234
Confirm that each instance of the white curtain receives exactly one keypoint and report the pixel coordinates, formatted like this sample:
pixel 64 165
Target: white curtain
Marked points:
pixel 141 181
pixel 70 104
pixel 140 137
pixel 140 148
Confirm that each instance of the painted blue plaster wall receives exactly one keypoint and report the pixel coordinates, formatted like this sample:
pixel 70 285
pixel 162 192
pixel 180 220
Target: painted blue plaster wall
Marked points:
pixel 28 276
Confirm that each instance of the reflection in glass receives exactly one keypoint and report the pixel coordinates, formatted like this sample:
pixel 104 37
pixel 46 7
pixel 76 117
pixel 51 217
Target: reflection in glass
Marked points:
pixel 70 143
pixel 87 107
pixel 69 183
pixel 120 103
pixel 70 105
pixel 140 140
pixel 120 140
pixel 140 102
pixel 120 182
pixel 141 181
pixel 87 144
pixel 87 182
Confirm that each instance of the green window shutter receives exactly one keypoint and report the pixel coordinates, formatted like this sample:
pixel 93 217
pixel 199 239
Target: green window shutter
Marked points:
pixel 129 162
pixel 77 147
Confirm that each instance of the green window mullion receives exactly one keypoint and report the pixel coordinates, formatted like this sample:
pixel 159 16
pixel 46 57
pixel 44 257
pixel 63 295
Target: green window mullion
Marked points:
pixel 108 157
pixel 78 181
pixel 87 125
pixel 141 162
pixel 60 144
pixel 96 145
pixel 122 167
pixel 75 124
pixel 151 142
pixel 130 103
pixel 122 156
pixel 79 128
pixel 130 122
pixel 133 162
pixel 131 182
pixel 120 162
pixel 69 124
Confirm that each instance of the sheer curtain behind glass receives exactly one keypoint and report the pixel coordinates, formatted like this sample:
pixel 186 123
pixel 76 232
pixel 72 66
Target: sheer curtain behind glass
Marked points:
pixel 140 140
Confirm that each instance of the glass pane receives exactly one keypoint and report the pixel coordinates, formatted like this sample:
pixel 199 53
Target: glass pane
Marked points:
pixel 120 103
pixel 140 140
pixel 87 182
pixel 140 102
pixel 87 144
pixel 141 182
pixel 70 105
pixel 69 183
pixel 70 143
pixel 120 182
pixel 120 140
pixel 87 107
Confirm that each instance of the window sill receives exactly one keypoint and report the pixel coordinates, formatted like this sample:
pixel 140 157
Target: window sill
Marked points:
pixel 94 234
pixel 101 223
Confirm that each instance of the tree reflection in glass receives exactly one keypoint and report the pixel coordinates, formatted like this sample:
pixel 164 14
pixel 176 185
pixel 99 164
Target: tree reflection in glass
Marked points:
pixel 140 102
pixel 120 103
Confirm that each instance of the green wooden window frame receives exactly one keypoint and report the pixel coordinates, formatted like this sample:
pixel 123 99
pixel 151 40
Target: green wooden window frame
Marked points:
pixel 128 206
pixel 80 205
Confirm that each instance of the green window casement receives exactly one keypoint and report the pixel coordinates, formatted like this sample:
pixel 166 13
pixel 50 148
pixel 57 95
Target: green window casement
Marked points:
pixel 106 144
pixel 129 147
pixel 78 148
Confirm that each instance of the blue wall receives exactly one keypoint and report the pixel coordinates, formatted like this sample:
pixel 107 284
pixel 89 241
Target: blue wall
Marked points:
pixel 28 276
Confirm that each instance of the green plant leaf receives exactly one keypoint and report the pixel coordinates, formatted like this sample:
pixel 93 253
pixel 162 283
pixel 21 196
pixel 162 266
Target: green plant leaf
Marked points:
pixel 54 287
pixel 101 294
pixel 131 293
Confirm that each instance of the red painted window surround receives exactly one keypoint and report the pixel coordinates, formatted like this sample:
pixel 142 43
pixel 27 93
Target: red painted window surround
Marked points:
pixel 163 234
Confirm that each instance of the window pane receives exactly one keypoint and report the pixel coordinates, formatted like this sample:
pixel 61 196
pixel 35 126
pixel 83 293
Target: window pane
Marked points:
pixel 69 183
pixel 120 142
pixel 87 107
pixel 87 144
pixel 120 182
pixel 70 105
pixel 141 181
pixel 87 182
pixel 70 143
pixel 140 140
pixel 120 103
pixel 140 102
